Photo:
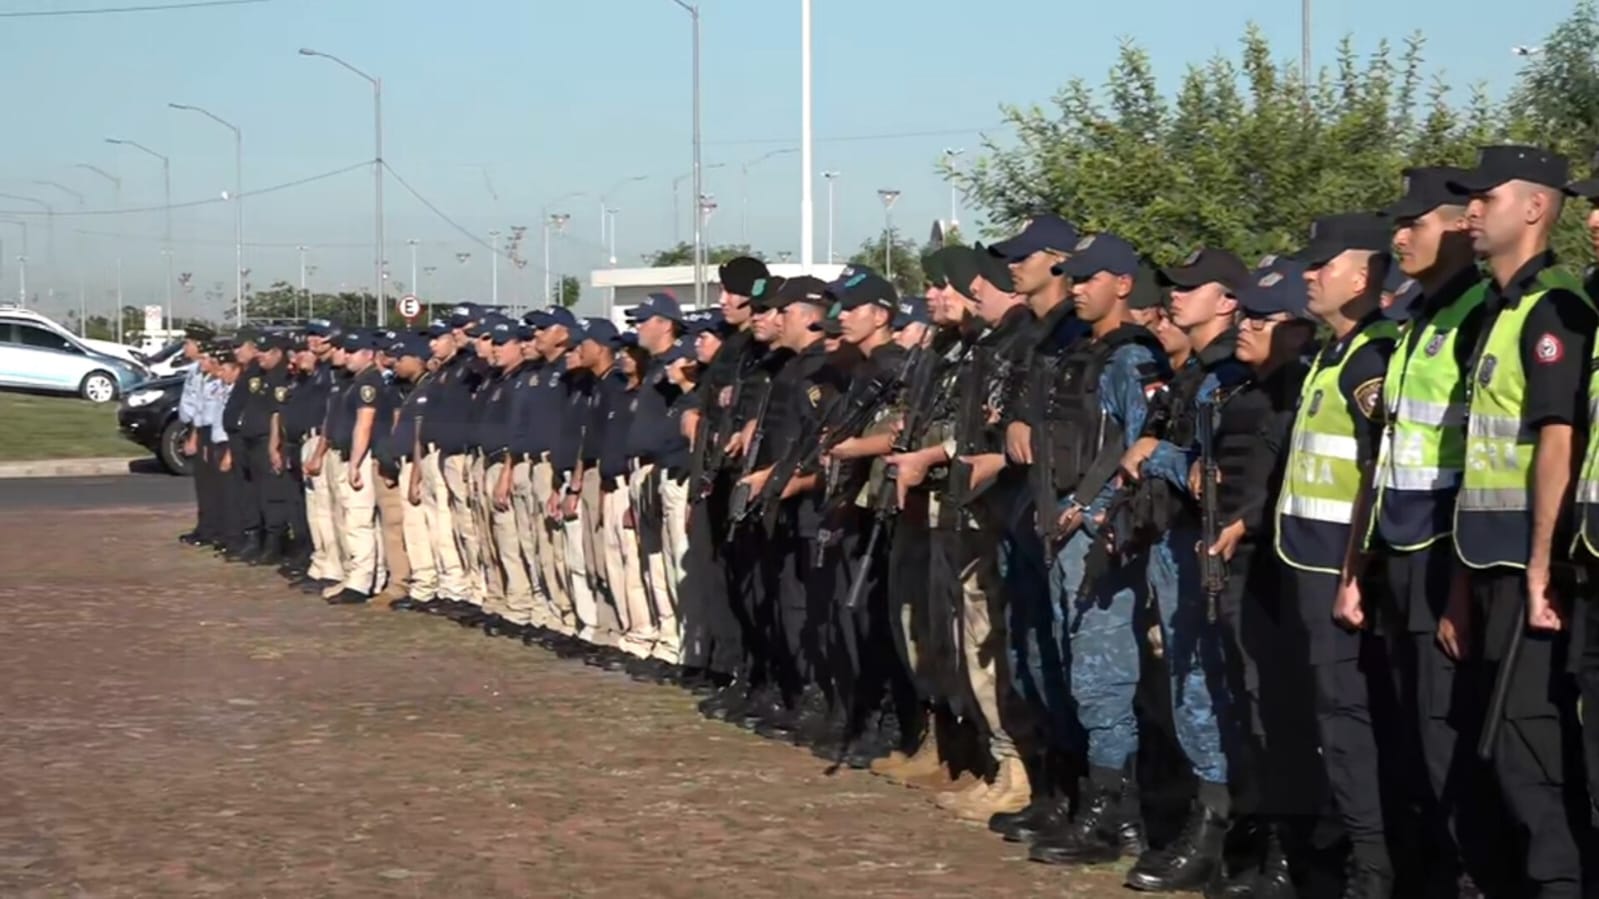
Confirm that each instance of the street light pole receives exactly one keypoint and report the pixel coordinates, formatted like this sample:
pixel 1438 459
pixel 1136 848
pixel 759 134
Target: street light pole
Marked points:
pixel 166 190
pixel 22 262
pixel 413 242
pixel 744 191
pixel 238 205
pixel 610 293
pixel 557 221
pixel 699 184
pixel 951 154
pixel 83 301
pixel 50 221
pixel 888 196
pixel 830 177
pixel 377 170
pixel 116 185
pixel 494 269
pixel 302 248
pixel 807 153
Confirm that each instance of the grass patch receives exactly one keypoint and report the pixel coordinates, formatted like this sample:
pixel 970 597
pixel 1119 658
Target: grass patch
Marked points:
pixel 50 427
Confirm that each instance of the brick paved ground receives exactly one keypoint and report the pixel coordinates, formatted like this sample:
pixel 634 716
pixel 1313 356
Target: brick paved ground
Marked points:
pixel 176 726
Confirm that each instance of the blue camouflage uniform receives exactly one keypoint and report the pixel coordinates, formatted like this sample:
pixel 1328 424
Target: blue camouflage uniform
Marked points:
pixel 1096 634
pixel 1193 644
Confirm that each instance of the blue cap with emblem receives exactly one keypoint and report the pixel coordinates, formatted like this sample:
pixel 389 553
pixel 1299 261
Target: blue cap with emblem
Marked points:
pixel 912 311
pixel 1275 287
pixel 656 305
pixel 678 350
pixel 702 320
pixel 410 345
pixel 464 314
pixel 600 330
pixel 625 339
pixel 504 331
pixel 437 328
pixel 1043 232
pixel 356 340
pixel 321 327
pixel 1099 253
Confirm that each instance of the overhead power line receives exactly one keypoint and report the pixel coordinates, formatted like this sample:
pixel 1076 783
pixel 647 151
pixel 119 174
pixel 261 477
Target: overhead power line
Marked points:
pixel 115 10
pixel 445 218
pixel 64 213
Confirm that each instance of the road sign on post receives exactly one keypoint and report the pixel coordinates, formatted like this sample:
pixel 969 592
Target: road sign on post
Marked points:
pixel 410 307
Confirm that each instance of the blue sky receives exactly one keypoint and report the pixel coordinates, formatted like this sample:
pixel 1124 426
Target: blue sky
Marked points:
pixel 493 109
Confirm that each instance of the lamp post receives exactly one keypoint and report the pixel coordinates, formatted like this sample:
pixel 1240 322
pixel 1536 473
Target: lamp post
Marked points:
pixel 544 218
pixel 116 187
pixel 377 171
pixel 21 261
pixel 605 202
pixel 412 243
pixel 238 203
pixel 77 264
pixel 556 221
pixel 693 10
pixel 166 190
pixel 830 177
pixel 888 196
pixel 744 190
pixel 807 154
pixel 494 268
pixel 950 155
pixel 50 221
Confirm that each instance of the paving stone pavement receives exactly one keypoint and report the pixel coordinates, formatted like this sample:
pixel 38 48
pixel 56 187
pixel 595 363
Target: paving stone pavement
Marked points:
pixel 175 726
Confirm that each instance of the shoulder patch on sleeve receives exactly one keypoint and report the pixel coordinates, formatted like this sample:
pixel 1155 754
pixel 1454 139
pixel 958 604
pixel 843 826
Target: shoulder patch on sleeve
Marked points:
pixel 814 394
pixel 1368 398
pixel 1549 349
pixel 368 393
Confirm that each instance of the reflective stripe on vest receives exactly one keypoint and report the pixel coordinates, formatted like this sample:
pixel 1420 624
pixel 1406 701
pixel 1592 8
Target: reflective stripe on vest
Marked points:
pixel 1322 478
pixel 1424 443
pixel 1491 520
pixel 1588 481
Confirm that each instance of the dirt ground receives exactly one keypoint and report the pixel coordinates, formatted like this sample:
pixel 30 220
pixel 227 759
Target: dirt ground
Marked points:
pixel 174 726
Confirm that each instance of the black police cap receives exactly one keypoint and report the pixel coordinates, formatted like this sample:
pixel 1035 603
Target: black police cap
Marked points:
pixel 1514 162
pixel 1425 188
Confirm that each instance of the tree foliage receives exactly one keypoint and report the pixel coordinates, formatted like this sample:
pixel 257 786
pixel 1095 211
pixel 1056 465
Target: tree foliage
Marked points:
pixel 683 254
pixel 906 268
pixel 1244 154
pixel 569 291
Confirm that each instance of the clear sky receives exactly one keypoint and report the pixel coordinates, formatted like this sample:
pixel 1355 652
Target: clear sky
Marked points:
pixel 495 108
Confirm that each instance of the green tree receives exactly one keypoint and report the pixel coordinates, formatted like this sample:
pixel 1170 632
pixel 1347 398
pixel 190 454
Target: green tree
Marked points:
pixel 569 291
pixel 906 259
pixel 683 254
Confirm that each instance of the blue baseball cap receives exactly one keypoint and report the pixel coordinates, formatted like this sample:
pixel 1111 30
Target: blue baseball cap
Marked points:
pixel 678 350
pixel 484 327
pixel 662 305
pixel 525 331
pixel 464 314
pixel 625 339
pixel 321 327
pixel 1276 285
pixel 1097 253
pixel 504 331
pixel 601 331
pixel 356 339
pixel 1043 232
pixel 410 345
pixel 702 320
pixel 912 311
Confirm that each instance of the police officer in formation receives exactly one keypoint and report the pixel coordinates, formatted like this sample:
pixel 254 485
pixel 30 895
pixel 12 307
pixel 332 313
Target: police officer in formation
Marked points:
pixel 1272 578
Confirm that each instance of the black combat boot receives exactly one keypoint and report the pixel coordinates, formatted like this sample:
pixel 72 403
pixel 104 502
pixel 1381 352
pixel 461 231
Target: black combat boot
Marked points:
pixel 271 549
pixel 1190 862
pixel 1018 827
pixel 1266 877
pixel 1104 827
pixel 1364 879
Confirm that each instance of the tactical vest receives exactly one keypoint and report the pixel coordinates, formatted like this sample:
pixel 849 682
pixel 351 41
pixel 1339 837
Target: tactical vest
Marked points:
pixel 1588 481
pixel 1073 426
pixel 1492 525
pixel 1423 449
pixel 1322 477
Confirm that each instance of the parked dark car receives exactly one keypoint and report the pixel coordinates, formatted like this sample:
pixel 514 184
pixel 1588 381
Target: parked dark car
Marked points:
pixel 148 415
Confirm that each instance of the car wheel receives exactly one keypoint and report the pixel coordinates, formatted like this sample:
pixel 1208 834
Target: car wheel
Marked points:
pixel 170 451
pixel 98 387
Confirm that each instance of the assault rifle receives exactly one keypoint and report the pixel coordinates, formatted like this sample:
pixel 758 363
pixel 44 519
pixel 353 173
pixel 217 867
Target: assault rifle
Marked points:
pixel 738 506
pixel 710 443
pixel 921 367
pixel 1212 568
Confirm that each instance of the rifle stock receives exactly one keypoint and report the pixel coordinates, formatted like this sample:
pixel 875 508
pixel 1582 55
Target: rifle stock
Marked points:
pixel 1213 568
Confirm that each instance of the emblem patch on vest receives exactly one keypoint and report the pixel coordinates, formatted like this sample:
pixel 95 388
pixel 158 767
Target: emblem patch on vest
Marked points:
pixel 1368 396
pixel 255 385
pixel 814 394
pixel 1549 349
pixel 280 394
pixel 1436 344
pixel 1315 402
pixel 533 381
pixel 1485 371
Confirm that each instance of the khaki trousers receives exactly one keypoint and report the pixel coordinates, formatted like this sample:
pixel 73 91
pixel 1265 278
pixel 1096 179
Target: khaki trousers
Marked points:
pixel 623 569
pixel 549 545
pixel 391 502
pixel 452 580
pixel 482 502
pixel 657 583
pixel 468 540
pixel 573 540
pixel 518 603
pixel 418 529
pixel 674 532
pixel 327 562
pixel 594 560
pixel 983 641
pixel 360 531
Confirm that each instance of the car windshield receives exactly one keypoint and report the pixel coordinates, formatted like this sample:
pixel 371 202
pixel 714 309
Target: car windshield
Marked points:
pixel 165 353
